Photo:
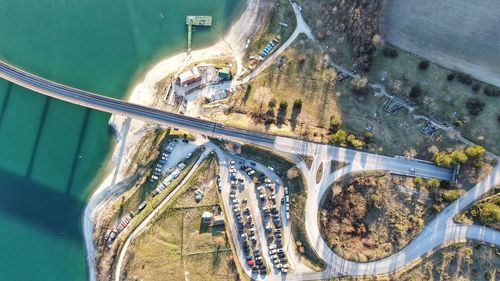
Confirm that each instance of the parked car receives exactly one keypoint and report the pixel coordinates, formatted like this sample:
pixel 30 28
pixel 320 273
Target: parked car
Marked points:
pixel 270 168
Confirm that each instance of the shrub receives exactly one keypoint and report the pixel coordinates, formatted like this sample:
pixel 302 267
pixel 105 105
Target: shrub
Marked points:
pixel 272 103
pixel 476 87
pixel 339 137
pixel 491 91
pixel 457 122
pixel 423 65
pixel 375 197
pixel 475 151
pixel 474 105
pixel 283 105
pixel 487 212
pixel 433 183
pixel 415 91
pixel 451 195
pixel 297 104
pixel 464 78
pixel 390 52
pixel 334 124
pixel 450 77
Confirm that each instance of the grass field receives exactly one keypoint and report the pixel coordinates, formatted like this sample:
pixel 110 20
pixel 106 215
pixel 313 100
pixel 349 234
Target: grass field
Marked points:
pixel 459 35
pixel 177 245
pixel 304 77
pixel 440 98
pixel 279 11
pixel 467 261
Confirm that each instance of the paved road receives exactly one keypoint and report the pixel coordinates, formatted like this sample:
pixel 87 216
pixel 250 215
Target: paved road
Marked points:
pixel 440 230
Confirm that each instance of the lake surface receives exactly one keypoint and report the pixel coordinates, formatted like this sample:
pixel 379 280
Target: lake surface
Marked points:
pixel 52 152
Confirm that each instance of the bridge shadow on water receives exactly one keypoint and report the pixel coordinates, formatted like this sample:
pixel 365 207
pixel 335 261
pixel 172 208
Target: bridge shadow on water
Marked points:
pixel 83 129
pixel 5 101
pixel 41 205
pixel 43 117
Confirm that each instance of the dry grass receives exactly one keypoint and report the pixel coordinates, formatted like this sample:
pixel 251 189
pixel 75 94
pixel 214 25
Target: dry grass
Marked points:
pixel 461 35
pixel 205 181
pixel 304 76
pixel 470 261
pixel 373 215
pixel 177 243
pixel 440 98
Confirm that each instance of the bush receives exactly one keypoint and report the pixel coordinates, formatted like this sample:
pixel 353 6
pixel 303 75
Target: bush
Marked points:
pixel 475 151
pixel 451 195
pixel 334 124
pixel 415 91
pixel 464 78
pixel 297 104
pixel 474 105
pixel 487 212
pixel 457 122
pixel 433 183
pixel 476 87
pixel 423 65
pixel 272 103
pixel 450 77
pixel 339 137
pixel 491 91
pixel 390 52
pixel 283 105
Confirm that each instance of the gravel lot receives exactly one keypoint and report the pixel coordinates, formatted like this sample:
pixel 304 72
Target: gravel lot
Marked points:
pixel 460 35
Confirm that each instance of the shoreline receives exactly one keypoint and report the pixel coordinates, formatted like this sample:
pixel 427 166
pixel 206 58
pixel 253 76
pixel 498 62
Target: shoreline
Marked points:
pixel 129 132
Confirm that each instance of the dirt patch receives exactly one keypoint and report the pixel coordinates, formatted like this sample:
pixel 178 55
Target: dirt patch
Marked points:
pixel 369 216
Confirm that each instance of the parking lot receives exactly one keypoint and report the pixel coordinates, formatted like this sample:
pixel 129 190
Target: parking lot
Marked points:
pixel 257 203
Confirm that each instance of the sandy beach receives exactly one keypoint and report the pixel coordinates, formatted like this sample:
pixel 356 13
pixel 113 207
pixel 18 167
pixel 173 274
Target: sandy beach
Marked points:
pixel 130 132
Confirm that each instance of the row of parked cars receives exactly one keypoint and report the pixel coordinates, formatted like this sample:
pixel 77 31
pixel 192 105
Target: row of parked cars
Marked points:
pixel 245 223
pixel 163 160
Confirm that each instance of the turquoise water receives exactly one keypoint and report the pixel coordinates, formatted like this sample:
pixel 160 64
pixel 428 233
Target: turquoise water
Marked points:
pixel 51 151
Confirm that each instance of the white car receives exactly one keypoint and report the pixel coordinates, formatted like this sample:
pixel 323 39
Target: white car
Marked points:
pixel 272 251
pixel 232 162
pixel 274 257
pixel 189 155
pixel 272 247
pixel 270 168
pixel 276 261
pixel 284 270
pixel 278 266
pixel 286 266
pixel 232 171
pixel 236 201
pixel 267 181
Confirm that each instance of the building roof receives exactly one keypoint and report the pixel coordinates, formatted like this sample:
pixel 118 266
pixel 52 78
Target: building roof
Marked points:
pixel 189 75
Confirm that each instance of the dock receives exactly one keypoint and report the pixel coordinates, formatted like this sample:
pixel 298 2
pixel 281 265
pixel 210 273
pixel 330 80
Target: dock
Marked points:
pixel 196 21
